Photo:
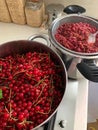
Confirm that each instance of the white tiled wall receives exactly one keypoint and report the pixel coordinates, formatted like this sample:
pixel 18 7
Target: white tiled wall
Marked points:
pixel 91 6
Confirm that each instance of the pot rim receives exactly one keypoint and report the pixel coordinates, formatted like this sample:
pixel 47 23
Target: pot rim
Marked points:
pixel 20 43
pixel 62 48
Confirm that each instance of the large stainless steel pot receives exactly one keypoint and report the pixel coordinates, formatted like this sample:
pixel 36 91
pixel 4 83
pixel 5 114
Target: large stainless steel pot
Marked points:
pixel 23 46
pixel 72 58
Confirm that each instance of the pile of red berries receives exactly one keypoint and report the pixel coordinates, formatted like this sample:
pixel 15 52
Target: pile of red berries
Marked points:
pixel 31 89
pixel 74 36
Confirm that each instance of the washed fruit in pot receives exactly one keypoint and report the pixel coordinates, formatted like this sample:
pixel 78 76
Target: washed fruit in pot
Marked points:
pixel 30 89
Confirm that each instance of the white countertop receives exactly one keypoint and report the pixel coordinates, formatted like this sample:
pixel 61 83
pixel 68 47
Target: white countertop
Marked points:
pixel 9 32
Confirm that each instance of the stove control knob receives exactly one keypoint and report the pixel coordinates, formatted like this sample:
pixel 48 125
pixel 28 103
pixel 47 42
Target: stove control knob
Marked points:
pixel 63 123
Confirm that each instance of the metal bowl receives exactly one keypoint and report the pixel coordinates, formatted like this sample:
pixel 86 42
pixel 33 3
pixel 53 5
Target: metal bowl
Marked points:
pixel 73 18
pixel 74 60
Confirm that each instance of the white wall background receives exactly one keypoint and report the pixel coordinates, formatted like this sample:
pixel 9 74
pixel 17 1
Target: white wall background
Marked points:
pixel 91 6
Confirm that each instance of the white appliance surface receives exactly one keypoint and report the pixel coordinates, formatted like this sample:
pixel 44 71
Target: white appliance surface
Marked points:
pixel 92 99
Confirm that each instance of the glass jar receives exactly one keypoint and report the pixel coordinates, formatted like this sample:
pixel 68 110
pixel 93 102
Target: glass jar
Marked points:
pixel 35 11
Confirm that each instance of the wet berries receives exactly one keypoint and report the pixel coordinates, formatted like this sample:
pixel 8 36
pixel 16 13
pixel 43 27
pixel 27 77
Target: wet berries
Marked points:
pixel 74 36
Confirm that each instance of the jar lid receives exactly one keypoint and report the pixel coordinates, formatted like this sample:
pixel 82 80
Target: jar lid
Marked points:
pixel 34 5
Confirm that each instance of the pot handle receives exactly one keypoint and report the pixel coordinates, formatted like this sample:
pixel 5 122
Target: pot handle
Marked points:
pixel 40 36
pixel 89 69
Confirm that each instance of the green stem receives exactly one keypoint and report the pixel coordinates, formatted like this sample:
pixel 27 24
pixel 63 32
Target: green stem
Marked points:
pixel 1 94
